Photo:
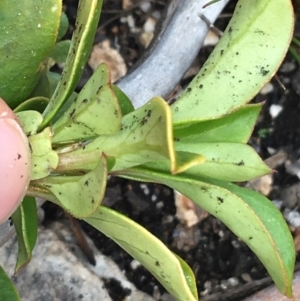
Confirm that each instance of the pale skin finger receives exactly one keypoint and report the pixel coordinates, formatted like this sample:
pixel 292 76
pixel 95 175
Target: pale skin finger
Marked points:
pixel 14 162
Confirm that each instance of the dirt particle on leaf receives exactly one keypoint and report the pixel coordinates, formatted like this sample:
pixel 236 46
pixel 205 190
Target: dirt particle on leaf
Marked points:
pixel 72 113
pixel 264 71
pixel 220 200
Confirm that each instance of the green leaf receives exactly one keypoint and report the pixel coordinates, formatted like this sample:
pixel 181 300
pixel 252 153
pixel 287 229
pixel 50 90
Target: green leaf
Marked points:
pixel 42 88
pixel 8 290
pixel 28 31
pixel 81 45
pixel 124 102
pixel 26 224
pixel 88 118
pixel 251 216
pixel 173 273
pixel 36 103
pixel 60 51
pixel 63 26
pixel 235 127
pixel 79 195
pixel 225 161
pixel 54 79
pixel 30 121
pixel 43 158
pixel 95 111
pixel 184 161
pixel 247 56
pixel 145 136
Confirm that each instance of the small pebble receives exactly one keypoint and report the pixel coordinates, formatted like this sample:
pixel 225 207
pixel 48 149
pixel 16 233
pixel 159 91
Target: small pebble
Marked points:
pixel 246 277
pixel 156 293
pixel 293 168
pixel 153 197
pixel 287 67
pixel 149 25
pixel 145 189
pixel 159 205
pixel 134 264
pixel 267 88
pixel 233 281
pixel 275 110
pixel 292 217
pixel 271 150
pixel 168 219
pixel 277 203
pixel 145 7
pixel 208 285
pixel 224 284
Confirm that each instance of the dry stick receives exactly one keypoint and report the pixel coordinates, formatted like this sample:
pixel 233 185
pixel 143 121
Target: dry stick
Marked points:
pixel 171 53
pixel 212 27
pixel 81 239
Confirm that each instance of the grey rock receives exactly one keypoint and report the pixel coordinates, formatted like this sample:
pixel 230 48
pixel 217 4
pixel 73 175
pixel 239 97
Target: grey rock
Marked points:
pixel 292 217
pixel 291 196
pixel 59 270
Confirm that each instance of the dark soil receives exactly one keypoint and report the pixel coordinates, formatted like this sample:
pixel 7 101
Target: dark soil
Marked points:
pixel 221 261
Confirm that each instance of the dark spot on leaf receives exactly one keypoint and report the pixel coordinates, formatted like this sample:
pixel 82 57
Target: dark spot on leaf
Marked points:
pixel 99 89
pixel 157 263
pixel 189 89
pixel 220 200
pixel 72 113
pixel 222 52
pixel 19 156
pixel 250 237
pixel 86 183
pixel 241 163
pixel 201 86
pixel 264 71
pixel 85 100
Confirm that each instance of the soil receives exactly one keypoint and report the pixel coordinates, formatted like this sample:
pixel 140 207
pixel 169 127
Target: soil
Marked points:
pixel 224 266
